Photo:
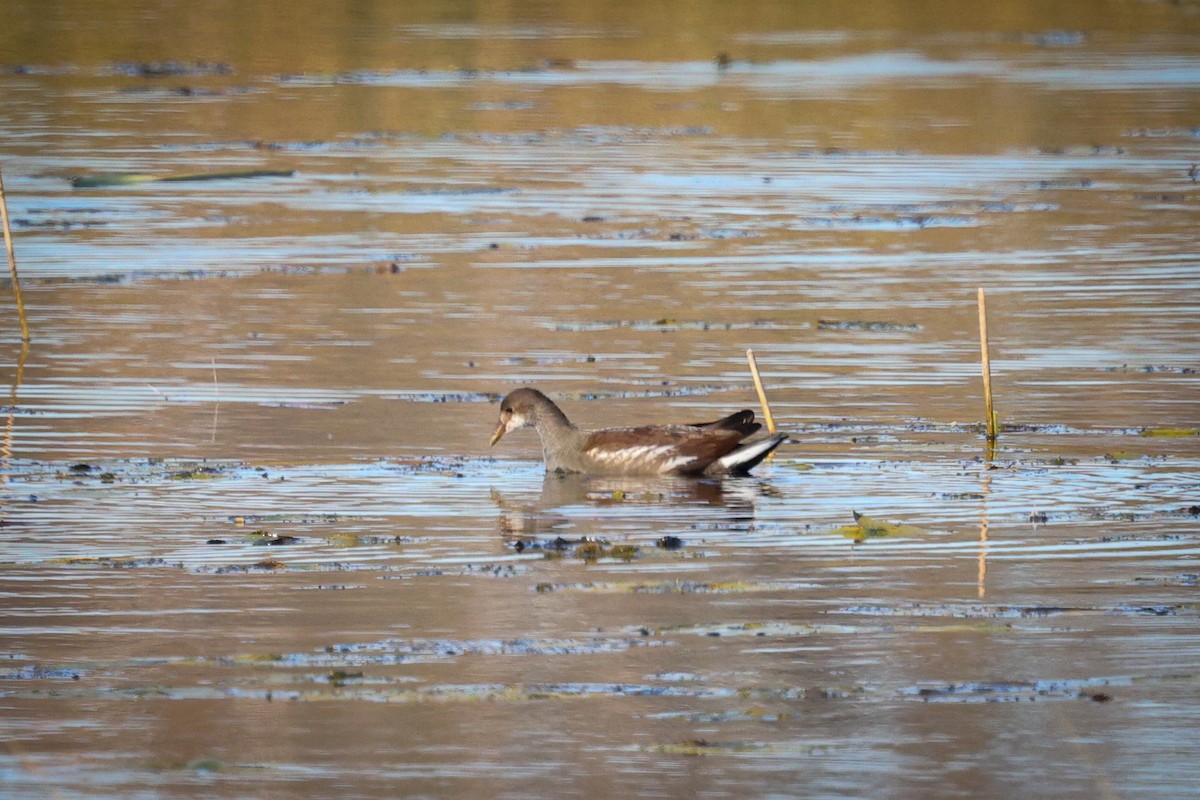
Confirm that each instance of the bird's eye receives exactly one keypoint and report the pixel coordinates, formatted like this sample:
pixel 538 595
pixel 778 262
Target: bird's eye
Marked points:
pixel 508 411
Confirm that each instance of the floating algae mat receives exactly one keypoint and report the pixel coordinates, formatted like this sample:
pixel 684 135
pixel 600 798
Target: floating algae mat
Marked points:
pixel 104 179
pixel 865 527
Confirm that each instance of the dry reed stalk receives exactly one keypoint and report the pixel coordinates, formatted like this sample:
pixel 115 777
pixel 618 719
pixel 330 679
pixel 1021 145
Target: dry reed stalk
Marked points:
pixel 762 395
pixel 992 426
pixel 12 263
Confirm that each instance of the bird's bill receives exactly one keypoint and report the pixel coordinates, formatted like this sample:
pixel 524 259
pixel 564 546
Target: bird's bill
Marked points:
pixel 501 429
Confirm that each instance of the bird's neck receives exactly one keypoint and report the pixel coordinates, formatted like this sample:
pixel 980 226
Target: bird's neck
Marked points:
pixel 561 441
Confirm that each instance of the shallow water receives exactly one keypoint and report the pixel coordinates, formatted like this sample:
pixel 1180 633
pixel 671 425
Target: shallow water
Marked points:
pixel 252 540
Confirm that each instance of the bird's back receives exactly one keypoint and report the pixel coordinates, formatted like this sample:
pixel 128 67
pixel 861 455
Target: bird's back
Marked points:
pixel 662 449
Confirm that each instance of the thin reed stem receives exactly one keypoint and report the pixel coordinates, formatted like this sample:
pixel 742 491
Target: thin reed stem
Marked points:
pixel 762 395
pixel 12 263
pixel 992 425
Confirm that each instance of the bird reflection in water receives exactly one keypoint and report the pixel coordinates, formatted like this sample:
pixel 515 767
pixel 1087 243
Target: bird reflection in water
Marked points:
pixel 567 502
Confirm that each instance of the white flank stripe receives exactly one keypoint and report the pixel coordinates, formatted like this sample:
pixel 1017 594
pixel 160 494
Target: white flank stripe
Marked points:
pixel 641 452
pixel 634 453
pixel 675 463
pixel 744 454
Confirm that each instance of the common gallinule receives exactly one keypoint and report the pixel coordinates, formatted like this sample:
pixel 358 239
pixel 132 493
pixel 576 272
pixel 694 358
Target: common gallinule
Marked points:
pixel 706 448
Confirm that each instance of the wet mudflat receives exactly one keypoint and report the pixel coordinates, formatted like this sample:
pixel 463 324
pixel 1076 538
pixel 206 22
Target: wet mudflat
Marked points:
pixel 252 541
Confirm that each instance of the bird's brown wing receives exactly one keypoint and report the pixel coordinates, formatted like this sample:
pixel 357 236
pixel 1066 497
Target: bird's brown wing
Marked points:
pixel 741 421
pixel 659 450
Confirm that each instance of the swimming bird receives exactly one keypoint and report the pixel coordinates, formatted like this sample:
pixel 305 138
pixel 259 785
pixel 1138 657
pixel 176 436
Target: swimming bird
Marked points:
pixel 705 448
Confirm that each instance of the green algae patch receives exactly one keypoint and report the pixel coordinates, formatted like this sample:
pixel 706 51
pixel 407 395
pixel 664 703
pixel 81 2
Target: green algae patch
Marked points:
pixel 108 179
pixel 196 474
pixel 590 551
pixel 264 538
pixel 266 565
pixel 586 549
pixel 1170 433
pixel 253 658
pixel 341 677
pixel 111 562
pixel 865 527
pixel 624 552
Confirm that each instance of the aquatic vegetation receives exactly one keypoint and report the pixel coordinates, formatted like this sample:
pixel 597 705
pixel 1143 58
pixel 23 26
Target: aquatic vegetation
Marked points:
pixel 131 179
pixel 1017 691
pixel 669 587
pixel 865 527
pixel 270 539
pixel 865 325
pixel 704 747
pixel 1172 433
pixel 586 549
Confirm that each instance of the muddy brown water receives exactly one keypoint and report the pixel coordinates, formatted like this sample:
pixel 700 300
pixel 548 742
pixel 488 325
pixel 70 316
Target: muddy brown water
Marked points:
pixel 252 541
